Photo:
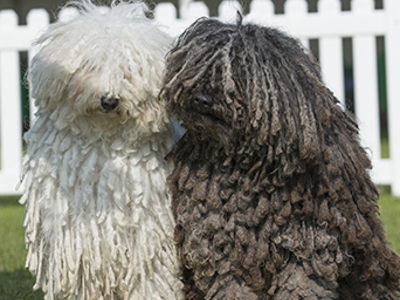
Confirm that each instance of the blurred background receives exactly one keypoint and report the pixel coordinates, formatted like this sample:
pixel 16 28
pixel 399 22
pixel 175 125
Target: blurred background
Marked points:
pixel 22 7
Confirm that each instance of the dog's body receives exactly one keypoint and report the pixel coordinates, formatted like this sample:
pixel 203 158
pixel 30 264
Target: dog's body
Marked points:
pixel 99 223
pixel 270 188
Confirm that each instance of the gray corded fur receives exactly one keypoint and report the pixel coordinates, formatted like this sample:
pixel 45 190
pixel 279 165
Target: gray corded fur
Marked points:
pixel 271 190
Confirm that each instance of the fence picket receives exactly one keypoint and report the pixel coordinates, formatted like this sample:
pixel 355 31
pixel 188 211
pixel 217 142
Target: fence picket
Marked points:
pixel 331 7
pixel 363 6
pixel 392 9
pixel 366 88
pixel 331 53
pixel 165 14
pixel 227 10
pixel 295 7
pixel 366 92
pixel 260 10
pixel 10 110
pixel 331 61
pixel 196 10
pixel 66 13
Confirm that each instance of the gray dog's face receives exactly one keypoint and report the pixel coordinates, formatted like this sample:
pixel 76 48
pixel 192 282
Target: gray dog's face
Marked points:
pixel 247 84
pixel 205 108
pixel 204 86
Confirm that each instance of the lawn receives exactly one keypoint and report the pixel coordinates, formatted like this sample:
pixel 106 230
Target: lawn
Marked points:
pixel 390 216
pixel 16 282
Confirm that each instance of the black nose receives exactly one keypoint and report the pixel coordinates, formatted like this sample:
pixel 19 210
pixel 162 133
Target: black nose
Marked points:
pixel 109 103
pixel 202 102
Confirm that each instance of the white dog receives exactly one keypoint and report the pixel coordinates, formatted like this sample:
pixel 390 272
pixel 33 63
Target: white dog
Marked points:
pixel 98 217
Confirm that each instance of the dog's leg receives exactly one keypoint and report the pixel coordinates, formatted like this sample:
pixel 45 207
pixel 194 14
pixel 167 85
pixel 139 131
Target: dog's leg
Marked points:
pixel 293 283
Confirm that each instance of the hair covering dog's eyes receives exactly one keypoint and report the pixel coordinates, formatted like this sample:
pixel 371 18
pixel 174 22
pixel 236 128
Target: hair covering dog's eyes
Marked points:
pixel 99 222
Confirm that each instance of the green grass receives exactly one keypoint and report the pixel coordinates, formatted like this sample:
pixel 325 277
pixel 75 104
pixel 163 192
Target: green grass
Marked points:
pixel 390 216
pixel 385 147
pixel 16 282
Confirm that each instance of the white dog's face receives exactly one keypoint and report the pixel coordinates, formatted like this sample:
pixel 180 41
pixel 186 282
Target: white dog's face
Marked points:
pixel 102 72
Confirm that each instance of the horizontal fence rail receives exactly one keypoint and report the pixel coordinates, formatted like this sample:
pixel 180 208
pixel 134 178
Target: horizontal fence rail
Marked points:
pixel 329 25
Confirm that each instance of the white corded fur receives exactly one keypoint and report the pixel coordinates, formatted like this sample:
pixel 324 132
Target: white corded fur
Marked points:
pixel 98 218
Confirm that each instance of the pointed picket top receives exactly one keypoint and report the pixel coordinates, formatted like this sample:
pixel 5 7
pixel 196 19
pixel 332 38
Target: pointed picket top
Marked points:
pixel 165 12
pixel 183 8
pixel 228 9
pixel 329 6
pixel 37 21
pixel 296 7
pixel 260 11
pixel 363 6
pixel 8 18
pixel 195 10
pixel 38 18
pixel 67 13
pixel 392 40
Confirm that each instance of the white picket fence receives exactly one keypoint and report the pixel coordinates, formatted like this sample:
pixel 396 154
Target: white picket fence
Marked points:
pixel 363 23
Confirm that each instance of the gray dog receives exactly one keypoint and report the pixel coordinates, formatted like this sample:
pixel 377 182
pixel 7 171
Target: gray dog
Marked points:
pixel 271 188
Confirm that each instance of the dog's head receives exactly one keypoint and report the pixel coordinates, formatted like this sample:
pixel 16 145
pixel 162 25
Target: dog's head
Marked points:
pixel 248 84
pixel 102 69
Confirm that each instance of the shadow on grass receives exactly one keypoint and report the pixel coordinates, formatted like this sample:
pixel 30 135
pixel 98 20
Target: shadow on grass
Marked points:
pixel 17 285
pixel 9 200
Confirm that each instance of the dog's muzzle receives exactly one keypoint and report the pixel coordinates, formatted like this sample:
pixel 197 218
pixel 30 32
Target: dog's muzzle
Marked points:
pixel 202 102
pixel 109 104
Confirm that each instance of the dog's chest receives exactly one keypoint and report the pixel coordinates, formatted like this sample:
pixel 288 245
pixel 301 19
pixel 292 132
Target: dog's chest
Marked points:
pixel 206 187
pixel 100 180
pixel 98 207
